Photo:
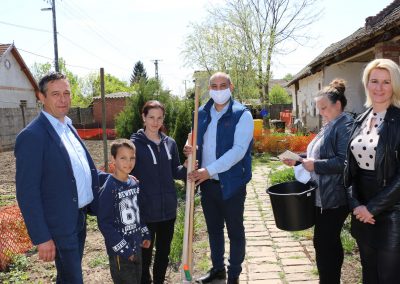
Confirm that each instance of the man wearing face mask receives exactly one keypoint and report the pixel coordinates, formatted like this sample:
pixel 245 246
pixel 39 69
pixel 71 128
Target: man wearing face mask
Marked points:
pixel 224 140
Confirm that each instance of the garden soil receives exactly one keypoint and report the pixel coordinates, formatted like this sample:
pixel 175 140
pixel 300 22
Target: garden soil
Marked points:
pixel 95 261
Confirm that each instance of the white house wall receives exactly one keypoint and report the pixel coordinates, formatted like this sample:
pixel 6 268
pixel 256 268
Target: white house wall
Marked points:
pixel 14 85
pixel 308 89
pixel 351 72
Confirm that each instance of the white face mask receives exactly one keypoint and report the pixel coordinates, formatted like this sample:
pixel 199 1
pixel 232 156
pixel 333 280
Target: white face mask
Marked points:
pixel 220 97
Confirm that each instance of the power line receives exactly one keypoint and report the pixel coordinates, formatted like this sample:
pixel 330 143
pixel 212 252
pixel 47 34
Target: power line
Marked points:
pixel 25 27
pixel 70 65
pixel 89 52
pixel 20 49
pixel 76 12
pixel 67 39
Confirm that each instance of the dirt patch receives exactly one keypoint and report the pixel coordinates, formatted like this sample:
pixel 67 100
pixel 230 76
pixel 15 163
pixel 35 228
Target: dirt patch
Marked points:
pixel 95 260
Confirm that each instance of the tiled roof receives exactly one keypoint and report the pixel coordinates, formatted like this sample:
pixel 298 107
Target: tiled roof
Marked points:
pixel 378 25
pixel 115 96
pixel 3 48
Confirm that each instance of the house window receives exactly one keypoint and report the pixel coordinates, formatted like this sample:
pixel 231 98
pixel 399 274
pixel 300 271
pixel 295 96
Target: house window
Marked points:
pixel 319 86
pixel 7 64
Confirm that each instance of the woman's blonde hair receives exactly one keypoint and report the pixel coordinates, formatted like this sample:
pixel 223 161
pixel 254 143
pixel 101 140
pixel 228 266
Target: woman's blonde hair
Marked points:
pixel 394 71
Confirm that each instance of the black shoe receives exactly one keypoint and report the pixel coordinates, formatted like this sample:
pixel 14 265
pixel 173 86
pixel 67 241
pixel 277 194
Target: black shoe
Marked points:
pixel 234 280
pixel 211 275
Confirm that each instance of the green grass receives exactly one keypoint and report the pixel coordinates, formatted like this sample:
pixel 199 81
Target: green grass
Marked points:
pixel 348 242
pixel 92 223
pixel 99 261
pixel 177 241
pixel 17 271
pixel 203 264
pixel 304 234
pixel 314 271
pixel 260 159
pixel 7 199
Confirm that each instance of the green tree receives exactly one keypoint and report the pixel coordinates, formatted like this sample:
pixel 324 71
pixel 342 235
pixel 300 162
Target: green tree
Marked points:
pixel 279 95
pixel 112 85
pixel 139 73
pixel 130 119
pixel 78 98
pixel 183 125
pixel 40 69
pixel 178 112
pixel 212 46
pixel 288 77
pixel 251 31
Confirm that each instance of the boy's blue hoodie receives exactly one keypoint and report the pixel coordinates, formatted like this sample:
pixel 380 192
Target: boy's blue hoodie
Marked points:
pixel 119 217
pixel 156 168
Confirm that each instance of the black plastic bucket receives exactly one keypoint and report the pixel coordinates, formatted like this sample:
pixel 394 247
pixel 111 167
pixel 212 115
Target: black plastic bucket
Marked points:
pixel 293 204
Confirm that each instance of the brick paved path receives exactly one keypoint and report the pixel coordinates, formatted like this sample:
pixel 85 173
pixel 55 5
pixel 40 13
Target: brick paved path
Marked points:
pixel 272 255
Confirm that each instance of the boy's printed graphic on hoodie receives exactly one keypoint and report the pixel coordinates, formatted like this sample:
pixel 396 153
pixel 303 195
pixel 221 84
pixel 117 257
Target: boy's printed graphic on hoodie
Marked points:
pixel 119 217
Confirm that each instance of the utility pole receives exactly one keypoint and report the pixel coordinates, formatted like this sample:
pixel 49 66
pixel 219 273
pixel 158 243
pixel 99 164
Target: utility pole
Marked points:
pixel 156 66
pixel 184 82
pixel 53 10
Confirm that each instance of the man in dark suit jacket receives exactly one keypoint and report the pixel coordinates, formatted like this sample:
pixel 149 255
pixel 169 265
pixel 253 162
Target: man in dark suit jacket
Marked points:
pixel 56 181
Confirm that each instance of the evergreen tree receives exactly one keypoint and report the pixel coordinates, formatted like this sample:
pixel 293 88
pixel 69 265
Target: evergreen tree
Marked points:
pixel 138 73
pixel 183 125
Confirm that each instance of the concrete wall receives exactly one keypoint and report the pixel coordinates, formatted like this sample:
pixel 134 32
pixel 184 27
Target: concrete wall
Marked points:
pixel 14 85
pixel 113 107
pixel 11 123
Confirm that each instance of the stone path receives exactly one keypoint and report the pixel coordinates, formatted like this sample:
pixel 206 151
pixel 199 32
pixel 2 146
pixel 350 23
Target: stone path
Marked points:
pixel 272 255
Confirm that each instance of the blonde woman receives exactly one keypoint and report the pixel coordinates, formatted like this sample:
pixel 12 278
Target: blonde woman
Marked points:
pixel 372 174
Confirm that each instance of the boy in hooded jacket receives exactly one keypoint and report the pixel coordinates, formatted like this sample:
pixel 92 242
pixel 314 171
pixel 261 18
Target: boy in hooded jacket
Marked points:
pixel 119 216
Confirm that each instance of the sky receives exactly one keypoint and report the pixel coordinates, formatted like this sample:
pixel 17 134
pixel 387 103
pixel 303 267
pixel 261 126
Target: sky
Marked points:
pixel 116 34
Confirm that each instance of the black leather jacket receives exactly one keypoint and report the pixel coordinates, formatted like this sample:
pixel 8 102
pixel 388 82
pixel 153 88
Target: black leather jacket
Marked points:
pixel 331 163
pixel 387 165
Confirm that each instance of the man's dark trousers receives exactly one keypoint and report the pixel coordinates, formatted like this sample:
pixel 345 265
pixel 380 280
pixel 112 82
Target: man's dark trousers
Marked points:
pixel 69 253
pixel 217 212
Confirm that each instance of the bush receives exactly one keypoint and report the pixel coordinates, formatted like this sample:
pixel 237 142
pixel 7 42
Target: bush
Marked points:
pixel 280 176
pixel 183 126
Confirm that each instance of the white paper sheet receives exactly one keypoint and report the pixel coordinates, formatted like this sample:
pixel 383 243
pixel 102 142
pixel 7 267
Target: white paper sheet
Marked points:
pixel 301 174
pixel 289 155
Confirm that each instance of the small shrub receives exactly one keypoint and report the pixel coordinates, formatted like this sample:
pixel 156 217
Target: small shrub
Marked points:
pixel 280 176
pixel 348 242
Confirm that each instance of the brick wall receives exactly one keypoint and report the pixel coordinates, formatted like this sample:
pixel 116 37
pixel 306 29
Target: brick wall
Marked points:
pixel 113 107
pixel 389 50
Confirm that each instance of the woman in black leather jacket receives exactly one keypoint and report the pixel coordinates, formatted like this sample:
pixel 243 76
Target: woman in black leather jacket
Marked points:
pixel 326 154
pixel 372 174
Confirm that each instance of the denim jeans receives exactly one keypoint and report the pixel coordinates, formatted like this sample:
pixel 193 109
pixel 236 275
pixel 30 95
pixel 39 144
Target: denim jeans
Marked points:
pixel 217 213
